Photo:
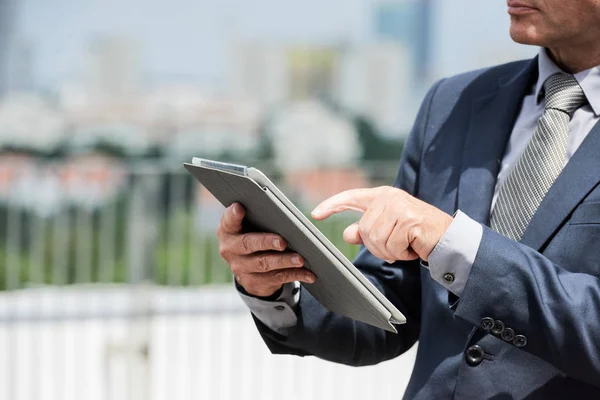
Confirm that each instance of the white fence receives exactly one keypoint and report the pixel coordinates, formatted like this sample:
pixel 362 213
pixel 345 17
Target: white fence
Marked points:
pixel 119 342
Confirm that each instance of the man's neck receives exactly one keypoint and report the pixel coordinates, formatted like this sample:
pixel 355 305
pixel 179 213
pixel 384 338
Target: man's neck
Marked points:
pixel 574 60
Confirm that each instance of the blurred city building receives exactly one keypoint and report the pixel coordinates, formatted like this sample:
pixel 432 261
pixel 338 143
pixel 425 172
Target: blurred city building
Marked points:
pixel 33 188
pixel 90 180
pixel 7 34
pixel 112 69
pixel 215 127
pixel 45 189
pixel 408 22
pixel 28 121
pixel 274 74
pixel 308 135
pixel 371 78
pixel 258 71
pixel 313 72
pixel 375 81
pixel 20 66
pixel 11 166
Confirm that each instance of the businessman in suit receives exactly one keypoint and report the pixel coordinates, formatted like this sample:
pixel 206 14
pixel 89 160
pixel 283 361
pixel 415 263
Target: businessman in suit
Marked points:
pixel 488 241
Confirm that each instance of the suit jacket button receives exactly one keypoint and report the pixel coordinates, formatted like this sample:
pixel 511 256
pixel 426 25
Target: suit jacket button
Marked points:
pixel 498 327
pixel 474 355
pixel 487 323
pixel 448 277
pixel 520 341
pixel 508 334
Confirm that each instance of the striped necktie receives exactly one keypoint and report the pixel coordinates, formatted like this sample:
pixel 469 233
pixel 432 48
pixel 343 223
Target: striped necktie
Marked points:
pixel 541 162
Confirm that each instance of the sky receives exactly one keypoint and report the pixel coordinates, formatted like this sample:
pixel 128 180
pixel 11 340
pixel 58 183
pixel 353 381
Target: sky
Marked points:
pixel 188 39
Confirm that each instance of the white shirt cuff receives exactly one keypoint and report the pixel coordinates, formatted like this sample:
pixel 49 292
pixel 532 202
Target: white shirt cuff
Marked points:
pixel 451 260
pixel 278 315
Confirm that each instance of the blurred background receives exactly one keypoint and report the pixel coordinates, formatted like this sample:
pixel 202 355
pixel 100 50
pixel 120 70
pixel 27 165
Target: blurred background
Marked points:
pixel 111 286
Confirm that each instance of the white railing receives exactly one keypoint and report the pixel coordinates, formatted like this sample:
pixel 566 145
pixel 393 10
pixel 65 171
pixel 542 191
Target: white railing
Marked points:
pixel 100 343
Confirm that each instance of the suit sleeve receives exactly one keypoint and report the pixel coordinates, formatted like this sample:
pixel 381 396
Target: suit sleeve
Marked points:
pixel 556 312
pixel 333 337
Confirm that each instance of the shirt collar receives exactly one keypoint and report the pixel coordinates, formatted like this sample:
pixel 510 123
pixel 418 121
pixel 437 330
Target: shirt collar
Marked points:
pixel 589 80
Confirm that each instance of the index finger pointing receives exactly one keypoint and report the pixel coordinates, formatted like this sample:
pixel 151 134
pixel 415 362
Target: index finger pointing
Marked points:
pixel 355 199
pixel 231 222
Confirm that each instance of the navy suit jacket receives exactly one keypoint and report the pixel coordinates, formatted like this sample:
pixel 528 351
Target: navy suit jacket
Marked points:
pixel 546 287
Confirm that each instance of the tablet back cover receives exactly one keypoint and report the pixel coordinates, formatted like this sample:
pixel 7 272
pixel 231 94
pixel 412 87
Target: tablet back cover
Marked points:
pixel 335 288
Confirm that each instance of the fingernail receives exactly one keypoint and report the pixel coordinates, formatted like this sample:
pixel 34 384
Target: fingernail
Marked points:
pixel 277 243
pixel 316 212
pixel 310 278
pixel 234 210
pixel 296 260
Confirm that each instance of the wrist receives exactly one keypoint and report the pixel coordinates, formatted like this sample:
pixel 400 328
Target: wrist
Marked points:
pixel 431 235
pixel 268 295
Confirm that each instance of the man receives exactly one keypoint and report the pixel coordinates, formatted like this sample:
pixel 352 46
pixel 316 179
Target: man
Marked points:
pixel 489 241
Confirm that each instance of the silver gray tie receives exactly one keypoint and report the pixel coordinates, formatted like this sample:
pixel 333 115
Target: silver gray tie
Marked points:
pixel 541 162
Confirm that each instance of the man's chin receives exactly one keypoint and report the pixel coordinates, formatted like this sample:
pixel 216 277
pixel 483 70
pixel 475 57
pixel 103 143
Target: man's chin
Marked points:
pixel 525 34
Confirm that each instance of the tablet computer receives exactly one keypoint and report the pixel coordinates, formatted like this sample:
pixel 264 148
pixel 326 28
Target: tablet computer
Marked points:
pixel 340 286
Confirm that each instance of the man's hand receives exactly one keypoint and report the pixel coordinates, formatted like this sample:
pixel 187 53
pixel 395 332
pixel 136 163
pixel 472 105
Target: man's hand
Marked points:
pixel 394 226
pixel 258 260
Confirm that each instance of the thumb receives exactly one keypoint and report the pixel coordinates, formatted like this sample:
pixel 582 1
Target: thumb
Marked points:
pixel 352 235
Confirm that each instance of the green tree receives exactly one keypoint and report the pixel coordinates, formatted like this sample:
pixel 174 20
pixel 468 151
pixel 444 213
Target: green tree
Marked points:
pixel 374 146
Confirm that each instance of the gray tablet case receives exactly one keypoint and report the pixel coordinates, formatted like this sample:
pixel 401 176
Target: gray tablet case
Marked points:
pixel 340 286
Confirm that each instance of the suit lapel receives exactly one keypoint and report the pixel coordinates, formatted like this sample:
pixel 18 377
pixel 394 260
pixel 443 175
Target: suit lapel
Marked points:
pixel 491 121
pixel 578 178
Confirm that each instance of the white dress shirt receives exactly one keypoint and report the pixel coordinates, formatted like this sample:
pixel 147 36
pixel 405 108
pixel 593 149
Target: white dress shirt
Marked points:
pixel 457 249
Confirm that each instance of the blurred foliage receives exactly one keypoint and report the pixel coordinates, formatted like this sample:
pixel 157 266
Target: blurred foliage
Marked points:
pixel 376 147
pixel 75 246
pixel 82 246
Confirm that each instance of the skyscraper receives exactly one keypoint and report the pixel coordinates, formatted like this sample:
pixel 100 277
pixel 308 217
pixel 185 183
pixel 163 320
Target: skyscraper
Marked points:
pixel 312 72
pixel 20 65
pixel 375 81
pixel 276 73
pixel 113 68
pixel 7 18
pixel 258 71
pixel 408 22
